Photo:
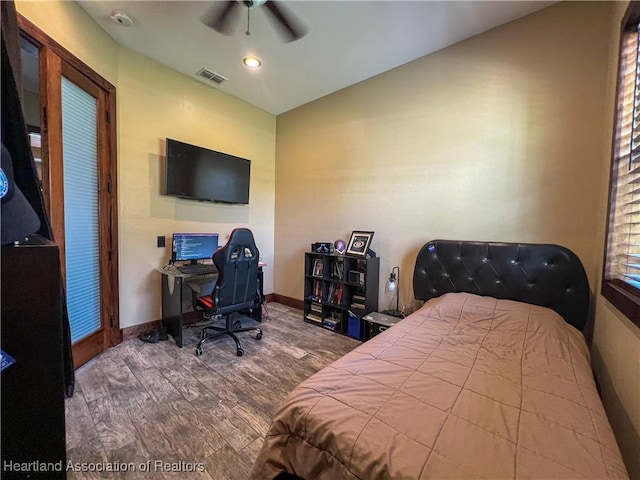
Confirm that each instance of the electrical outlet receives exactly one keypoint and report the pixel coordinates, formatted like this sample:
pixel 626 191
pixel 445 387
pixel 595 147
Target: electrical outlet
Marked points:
pixel 161 241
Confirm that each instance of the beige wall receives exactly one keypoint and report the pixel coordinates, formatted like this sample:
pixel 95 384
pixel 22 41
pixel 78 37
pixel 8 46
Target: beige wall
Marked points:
pixel 496 138
pixel 154 102
pixel 504 136
pixel 70 26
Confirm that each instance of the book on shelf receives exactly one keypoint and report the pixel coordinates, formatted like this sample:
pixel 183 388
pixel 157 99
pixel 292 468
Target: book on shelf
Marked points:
pixel 312 317
pixel 335 294
pixel 339 294
pixel 338 270
pixel 316 307
pixel 358 301
pixel 331 323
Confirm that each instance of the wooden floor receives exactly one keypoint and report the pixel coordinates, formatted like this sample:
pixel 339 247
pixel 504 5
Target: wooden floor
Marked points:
pixel 156 407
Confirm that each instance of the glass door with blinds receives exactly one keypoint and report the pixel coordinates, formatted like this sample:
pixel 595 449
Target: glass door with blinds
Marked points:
pixel 83 206
pixel 81 215
pixel 72 108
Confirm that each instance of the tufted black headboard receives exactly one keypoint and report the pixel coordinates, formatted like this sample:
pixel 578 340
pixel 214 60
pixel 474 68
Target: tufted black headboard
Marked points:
pixel 541 274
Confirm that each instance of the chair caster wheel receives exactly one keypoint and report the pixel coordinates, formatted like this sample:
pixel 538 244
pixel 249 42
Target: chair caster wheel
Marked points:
pixel 240 352
pixel 259 335
pixel 198 351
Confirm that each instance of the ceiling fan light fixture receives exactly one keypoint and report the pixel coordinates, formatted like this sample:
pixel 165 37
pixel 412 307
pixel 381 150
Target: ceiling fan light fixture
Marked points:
pixel 222 17
pixel 252 62
pixel 254 3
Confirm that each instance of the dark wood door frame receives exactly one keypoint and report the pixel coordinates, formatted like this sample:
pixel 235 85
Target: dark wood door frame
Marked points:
pixel 56 61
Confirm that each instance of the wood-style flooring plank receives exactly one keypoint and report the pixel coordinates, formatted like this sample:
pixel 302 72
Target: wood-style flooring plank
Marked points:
pixel 78 415
pixel 264 398
pixel 112 422
pixel 218 384
pixel 186 383
pixel 232 428
pixel 163 430
pixel 207 439
pixel 92 380
pixel 132 460
pixel 158 386
pixel 257 419
pixel 134 354
pixel 226 464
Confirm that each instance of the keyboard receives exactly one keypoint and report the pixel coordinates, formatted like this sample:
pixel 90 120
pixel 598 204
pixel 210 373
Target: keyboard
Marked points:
pixel 197 269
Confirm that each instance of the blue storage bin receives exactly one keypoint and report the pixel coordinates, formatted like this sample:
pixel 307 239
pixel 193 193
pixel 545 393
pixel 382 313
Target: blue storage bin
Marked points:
pixel 354 327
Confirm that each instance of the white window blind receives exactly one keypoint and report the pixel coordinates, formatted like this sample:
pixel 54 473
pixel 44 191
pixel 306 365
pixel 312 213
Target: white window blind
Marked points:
pixel 80 154
pixel 623 262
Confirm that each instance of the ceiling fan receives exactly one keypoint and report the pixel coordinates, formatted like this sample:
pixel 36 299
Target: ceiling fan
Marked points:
pixel 222 17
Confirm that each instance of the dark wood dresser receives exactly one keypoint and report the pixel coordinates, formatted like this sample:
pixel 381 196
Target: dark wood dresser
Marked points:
pixel 33 419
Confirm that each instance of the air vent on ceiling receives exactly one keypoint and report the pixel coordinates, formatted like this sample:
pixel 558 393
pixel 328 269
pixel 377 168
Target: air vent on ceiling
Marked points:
pixel 211 76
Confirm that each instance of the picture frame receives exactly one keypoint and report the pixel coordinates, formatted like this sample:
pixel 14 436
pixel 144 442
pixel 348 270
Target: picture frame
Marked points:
pixel 359 243
pixel 318 268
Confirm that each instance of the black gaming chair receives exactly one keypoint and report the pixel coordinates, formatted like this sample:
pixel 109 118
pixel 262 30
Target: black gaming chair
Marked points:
pixel 237 288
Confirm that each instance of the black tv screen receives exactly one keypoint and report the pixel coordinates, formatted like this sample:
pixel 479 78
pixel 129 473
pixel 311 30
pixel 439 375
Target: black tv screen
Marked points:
pixel 198 173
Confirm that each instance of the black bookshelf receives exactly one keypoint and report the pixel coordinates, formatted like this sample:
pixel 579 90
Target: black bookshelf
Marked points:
pixel 337 284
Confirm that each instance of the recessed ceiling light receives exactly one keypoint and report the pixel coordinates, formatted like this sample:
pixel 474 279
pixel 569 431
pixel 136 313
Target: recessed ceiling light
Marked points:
pixel 252 62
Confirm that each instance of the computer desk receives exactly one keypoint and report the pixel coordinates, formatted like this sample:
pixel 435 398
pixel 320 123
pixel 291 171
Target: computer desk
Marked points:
pixel 177 297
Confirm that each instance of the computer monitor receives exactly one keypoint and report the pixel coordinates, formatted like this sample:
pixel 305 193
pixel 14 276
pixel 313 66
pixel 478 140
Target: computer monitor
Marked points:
pixel 193 246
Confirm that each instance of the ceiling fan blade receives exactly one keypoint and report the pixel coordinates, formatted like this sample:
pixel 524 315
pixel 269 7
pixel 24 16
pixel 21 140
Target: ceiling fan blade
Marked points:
pixel 221 16
pixel 289 27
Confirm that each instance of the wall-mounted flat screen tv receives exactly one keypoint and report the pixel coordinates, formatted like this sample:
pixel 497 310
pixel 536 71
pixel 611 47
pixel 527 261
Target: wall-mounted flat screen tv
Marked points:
pixel 198 173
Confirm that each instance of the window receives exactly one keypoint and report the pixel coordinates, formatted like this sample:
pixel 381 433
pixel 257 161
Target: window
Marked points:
pixel 621 282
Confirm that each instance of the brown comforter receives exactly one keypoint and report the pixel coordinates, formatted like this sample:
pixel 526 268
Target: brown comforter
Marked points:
pixel 466 387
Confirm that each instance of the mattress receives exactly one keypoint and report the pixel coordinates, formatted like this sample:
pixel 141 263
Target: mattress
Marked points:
pixel 466 387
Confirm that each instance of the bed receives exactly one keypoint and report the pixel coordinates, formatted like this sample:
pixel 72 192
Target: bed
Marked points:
pixel 490 378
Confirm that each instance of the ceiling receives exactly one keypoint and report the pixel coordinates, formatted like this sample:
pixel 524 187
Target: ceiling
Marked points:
pixel 347 41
